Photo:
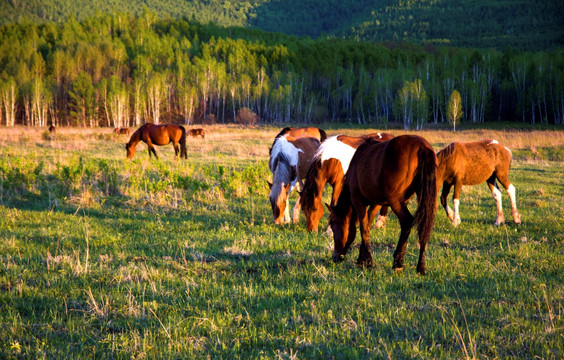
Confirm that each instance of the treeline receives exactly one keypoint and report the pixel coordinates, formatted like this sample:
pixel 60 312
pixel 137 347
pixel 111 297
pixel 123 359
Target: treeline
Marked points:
pixel 120 70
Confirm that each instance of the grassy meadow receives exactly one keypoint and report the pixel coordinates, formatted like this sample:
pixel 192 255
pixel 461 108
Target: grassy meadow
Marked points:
pixel 104 257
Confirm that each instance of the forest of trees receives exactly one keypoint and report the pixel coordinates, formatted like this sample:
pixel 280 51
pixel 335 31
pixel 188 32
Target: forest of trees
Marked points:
pixel 123 70
pixel 521 24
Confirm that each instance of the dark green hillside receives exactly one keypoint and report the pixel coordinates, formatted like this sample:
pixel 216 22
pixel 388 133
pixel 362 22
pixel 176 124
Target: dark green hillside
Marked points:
pixel 521 24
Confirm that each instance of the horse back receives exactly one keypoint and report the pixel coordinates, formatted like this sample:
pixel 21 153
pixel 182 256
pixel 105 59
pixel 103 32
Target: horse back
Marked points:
pixel 472 163
pixel 381 171
pixel 308 147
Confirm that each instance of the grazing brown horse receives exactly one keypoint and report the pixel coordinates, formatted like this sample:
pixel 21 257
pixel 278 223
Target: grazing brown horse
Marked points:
pixel 387 173
pixel 289 161
pixel 122 131
pixel 329 166
pixel 197 132
pixel 160 135
pixel 52 129
pixel 471 164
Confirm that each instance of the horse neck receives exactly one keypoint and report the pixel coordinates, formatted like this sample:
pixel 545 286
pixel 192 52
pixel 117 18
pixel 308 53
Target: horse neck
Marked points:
pixel 135 137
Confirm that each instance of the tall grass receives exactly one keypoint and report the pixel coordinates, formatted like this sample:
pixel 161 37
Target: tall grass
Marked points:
pixel 103 257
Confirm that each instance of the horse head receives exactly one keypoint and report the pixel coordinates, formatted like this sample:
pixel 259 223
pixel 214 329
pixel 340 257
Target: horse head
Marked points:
pixel 130 150
pixel 278 199
pixel 342 221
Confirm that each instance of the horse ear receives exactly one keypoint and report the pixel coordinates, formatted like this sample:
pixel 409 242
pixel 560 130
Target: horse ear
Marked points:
pixel 269 184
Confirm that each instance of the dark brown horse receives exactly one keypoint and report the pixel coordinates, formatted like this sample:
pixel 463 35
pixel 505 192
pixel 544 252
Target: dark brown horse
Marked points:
pixel 52 129
pixel 329 166
pixel 197 132
pixel 160 135
pixel 471 164
pixel 289 161
pixel 387 173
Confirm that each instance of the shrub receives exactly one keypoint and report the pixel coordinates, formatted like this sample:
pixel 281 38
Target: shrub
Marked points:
pixel 247 117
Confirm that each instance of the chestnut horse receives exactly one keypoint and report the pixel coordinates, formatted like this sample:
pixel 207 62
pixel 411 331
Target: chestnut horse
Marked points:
pixel 471 164
pixel 329 166
pixel 160 135
pixel 197 132
pixel 289 161
pixel 387 173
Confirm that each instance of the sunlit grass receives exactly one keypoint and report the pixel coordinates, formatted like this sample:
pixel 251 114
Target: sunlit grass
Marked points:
pixel 103 257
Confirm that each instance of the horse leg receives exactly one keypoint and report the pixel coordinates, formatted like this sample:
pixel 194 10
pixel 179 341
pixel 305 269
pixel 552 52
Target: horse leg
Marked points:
pixel 456 202
pixel 444 203
pixel 298 206
pixel 496 193
pixel 176 149
pixel 382 217
pixel 287 210
pixel 406 222
pixel 364 256
pixel 296 211
pixel 504 180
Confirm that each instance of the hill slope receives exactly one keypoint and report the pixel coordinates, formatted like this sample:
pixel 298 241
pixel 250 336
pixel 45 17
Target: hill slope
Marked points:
pixel 531 25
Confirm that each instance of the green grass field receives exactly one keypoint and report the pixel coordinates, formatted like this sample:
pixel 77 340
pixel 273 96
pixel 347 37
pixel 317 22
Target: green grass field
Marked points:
pixel 103 257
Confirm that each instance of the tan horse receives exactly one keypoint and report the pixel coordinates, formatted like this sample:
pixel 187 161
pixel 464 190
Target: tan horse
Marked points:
pixel 472 164
pixel 289 161
pixel 160 135
pixel 329 165
pixel 387 174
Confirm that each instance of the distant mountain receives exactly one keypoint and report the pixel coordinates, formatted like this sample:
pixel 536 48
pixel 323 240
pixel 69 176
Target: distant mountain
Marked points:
pixel 520 24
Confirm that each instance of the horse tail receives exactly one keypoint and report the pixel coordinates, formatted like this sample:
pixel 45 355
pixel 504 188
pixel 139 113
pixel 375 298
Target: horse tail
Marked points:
pixel 322 134
pixel 427 197
pixel 183 150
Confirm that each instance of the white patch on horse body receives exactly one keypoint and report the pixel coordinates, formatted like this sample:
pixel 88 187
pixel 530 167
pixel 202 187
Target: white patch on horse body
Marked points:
pixel 493 142
pixel 283 145
pixel 379 136
pixel 332 148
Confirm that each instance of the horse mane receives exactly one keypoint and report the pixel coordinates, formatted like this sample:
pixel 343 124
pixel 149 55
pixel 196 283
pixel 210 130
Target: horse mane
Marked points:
pixel 446 152
pixel 312 184
pixel 136 136
pixel 344 203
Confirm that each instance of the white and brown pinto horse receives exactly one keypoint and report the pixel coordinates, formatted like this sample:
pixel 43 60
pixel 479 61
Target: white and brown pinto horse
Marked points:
pixel 471 164
pixel 329 165
pixel 289 161
pixel 387 173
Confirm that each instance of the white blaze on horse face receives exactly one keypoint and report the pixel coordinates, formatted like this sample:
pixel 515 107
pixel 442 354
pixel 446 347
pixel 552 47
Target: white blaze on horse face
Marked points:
pixel 332 148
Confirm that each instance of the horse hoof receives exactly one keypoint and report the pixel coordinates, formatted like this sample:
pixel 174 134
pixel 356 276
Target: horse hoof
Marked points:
pixel 338 258
pixel 421 271
pixel 455 222
pixel 365 263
